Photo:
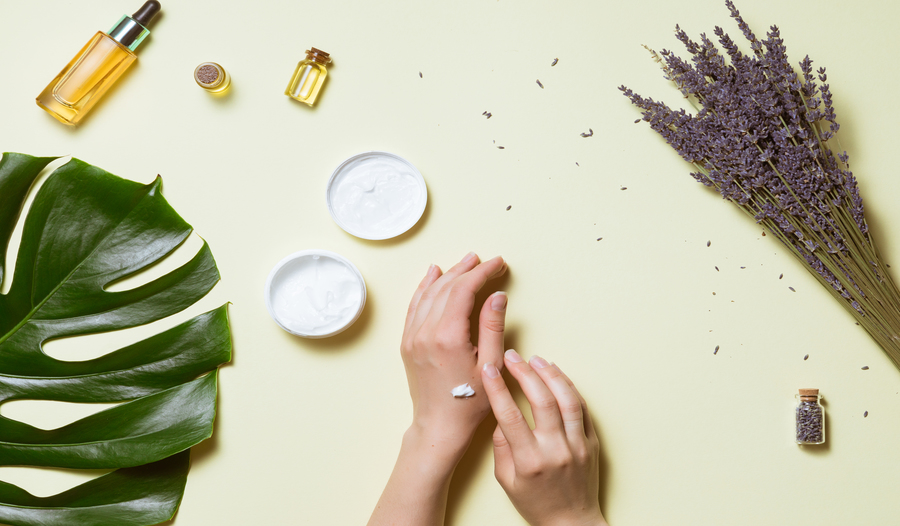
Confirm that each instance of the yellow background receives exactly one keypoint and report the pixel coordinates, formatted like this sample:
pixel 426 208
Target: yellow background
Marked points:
pixel 308 430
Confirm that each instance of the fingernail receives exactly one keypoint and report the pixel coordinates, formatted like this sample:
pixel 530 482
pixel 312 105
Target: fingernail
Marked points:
pixel 513 356
pixel 430 270
pixel 491 370
pixel 498 302
pixel 470 257
pixel 538 362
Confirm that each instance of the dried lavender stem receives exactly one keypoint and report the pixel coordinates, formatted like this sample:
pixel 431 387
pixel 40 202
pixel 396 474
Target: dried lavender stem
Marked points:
pixel 762 137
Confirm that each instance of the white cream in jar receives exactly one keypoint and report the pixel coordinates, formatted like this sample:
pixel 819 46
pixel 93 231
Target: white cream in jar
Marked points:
pixel 315 293
pixel 376 195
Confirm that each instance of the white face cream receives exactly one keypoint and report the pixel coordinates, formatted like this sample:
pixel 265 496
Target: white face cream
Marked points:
pixel 376 195
pixel 462 391
pixel 315 293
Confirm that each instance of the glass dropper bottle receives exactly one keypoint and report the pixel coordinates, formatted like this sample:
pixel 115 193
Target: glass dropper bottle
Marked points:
pixel 96 67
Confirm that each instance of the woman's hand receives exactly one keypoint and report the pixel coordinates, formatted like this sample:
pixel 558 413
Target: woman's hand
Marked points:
pixel 438 353
pixel 552 473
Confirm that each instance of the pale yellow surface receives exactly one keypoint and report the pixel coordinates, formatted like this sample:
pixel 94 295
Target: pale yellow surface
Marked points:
pixel 308 430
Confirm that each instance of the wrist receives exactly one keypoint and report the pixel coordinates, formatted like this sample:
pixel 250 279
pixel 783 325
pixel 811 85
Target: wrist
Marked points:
pixel 439 450
pixel 593 520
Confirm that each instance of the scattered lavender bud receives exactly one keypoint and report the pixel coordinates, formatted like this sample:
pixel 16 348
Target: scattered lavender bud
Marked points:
pixel 708 243
pixel 599 238
pixel 637 121
pixel 865 367
pixel 806 358
pixel 743 267
pixel 865 414
pixel 780 276
pixel 717 269
pixel 539 83
pixel 509 207
pixel 792 289
pixel 554 62
pixel 624 188
pixel 589 134
pixel 716 350
pixel 576 163
pixel 420 74
pixel 501 147
pixel 714 293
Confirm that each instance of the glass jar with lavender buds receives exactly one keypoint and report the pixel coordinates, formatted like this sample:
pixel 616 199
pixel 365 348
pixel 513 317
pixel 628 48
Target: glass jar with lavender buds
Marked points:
pixel 810 417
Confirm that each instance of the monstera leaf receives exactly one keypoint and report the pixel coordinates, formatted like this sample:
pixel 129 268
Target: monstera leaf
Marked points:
pixel 85 230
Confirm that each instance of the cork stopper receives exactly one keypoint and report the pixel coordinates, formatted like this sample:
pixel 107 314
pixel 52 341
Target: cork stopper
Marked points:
pixel 809 394
pixel 318 55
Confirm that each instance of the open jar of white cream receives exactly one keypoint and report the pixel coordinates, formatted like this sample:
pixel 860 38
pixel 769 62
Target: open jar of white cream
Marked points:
pixel 376 195
pixel 315 293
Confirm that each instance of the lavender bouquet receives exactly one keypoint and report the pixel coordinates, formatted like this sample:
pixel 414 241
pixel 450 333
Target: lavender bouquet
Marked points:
pixel 764 137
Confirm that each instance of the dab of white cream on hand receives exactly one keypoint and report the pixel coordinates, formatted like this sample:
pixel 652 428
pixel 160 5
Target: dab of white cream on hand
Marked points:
pixel 463 391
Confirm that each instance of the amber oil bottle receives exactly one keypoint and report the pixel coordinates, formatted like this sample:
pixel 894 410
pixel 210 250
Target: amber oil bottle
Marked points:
pixel 309 76
pixel 72 94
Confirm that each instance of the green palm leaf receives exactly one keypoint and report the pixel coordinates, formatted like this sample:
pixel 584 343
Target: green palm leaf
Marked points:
pixel 85 230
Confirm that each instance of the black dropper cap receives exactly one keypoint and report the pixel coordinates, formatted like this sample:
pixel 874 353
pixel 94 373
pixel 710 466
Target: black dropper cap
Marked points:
pixel 145 14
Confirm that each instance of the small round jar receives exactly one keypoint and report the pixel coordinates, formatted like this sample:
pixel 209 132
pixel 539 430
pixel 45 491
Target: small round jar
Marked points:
pixel 212 77
pixel 315 293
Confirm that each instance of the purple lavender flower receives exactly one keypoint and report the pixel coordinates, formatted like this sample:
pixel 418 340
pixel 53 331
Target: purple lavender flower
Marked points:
pixel 762 137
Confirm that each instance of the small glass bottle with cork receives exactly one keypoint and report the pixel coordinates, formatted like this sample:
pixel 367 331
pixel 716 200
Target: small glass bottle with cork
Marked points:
pixel 810 418
pixel 309 76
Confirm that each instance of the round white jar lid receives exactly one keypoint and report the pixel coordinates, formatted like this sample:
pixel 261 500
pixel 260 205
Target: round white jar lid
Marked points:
pixel 315 293
pixel 376 195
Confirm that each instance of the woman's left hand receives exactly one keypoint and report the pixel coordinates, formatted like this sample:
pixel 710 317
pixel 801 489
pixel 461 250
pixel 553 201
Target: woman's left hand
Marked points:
pixel 438 353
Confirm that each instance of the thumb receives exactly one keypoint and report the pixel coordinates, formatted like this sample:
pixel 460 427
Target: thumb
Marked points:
pixel 491 323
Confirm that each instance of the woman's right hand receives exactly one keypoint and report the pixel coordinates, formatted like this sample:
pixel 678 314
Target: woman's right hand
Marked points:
pixel 552 473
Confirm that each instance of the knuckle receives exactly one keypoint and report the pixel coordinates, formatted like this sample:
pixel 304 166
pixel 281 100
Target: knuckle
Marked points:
pixel 545 403
pixel 531 468
pixel 512 416
pixel 427 295
pixel 563 459
pixel 571 406
pixel 444 341
pixel 420 341
pixel 582 454
pixel 493 323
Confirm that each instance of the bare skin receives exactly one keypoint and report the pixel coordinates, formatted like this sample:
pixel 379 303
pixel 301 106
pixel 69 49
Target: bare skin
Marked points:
pixel 551 473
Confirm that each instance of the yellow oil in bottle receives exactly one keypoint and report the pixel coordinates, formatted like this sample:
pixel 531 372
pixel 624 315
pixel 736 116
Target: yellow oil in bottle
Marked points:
pixel 85 79
pixel 309 76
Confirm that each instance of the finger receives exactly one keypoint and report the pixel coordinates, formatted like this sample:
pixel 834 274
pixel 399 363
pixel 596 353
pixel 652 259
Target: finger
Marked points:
pixel 509 417
pixel 543 404
pixel 588 422
pixel 457 298
pixel 504 467
pixel 431 292
pixel 569 403
pixel 434 272
pixel 491 324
